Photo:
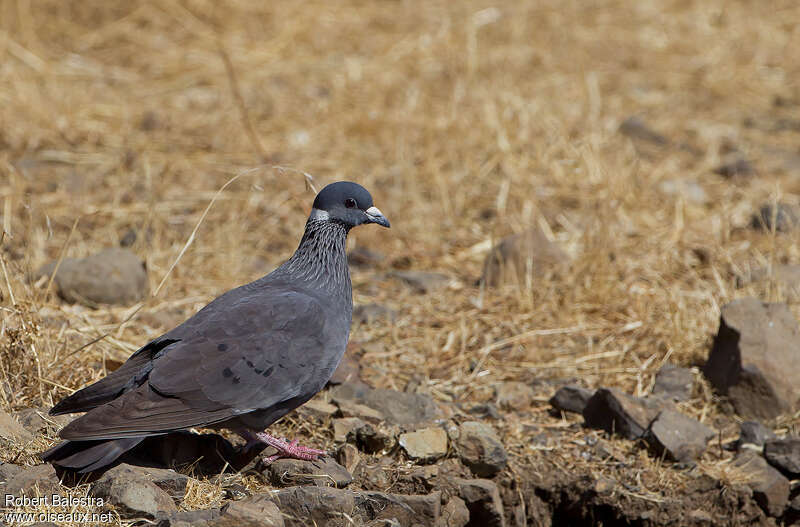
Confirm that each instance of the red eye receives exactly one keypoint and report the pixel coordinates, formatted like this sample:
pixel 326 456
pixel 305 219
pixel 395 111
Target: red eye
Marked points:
pixel 349 203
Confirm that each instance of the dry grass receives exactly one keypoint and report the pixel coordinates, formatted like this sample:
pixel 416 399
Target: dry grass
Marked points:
pixel 467 120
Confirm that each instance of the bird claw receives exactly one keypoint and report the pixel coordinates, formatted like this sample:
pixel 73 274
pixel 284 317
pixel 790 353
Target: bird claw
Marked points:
pixel 288 449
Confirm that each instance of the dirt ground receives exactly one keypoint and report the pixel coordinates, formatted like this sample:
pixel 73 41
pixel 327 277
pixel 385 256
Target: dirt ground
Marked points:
pixel 468 121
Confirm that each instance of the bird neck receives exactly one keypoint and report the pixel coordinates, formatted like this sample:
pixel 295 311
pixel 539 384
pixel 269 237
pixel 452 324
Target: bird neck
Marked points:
pixel 321 256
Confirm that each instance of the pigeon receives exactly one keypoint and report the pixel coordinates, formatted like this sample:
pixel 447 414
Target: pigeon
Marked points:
pixel 242 362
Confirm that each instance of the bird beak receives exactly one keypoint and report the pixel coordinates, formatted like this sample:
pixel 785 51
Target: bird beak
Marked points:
pixel 376 216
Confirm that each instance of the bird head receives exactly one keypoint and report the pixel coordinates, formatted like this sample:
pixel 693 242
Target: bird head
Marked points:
pixel 347 203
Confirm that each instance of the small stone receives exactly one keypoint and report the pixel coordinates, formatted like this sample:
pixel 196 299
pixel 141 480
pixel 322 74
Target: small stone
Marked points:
pixel 318 408
pixel 171 482
pixel 345 428
pixel 674 382
pixel 39 480
pixel 754 358
pixel 636 128
pixel 783 218
pixel 425 445
pixel 454 513
pixel 369 313
pixel 403 408
pixel 133 498
pixel 323 472
pixel 302 506
pixel 514 395
pixel 770 488
pixel 680 437
pixel 349 457
pixel 12 430
pixel 112 276
pixel 422 282
pixel 784 454
pixel 754 434
pixel 519 257
pixel 735 166
pixel 362 411
pixel 422 510
pixel 571 398
pixel 37 420
pixel 480 449
pixel 485 410
pixel 256 511
pixel 373 440
pixel 483 502
pixel 614 411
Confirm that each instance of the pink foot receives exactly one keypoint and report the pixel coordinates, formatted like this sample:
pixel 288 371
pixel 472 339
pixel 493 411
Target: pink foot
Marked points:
pixel 286 449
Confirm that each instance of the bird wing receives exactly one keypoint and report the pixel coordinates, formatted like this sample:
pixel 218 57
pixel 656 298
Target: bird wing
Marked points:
pixel 261 350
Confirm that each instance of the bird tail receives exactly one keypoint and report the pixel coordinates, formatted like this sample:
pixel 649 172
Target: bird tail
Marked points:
pixel 86 456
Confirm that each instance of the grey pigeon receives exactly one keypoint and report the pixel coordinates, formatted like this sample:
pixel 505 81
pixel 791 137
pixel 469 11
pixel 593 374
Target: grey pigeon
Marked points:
pixel 242 362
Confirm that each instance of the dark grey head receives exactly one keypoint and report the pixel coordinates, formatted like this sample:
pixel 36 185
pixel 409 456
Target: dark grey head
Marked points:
pixel 347 203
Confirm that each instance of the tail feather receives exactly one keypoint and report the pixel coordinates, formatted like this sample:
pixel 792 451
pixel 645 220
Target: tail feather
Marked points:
pixel 86 456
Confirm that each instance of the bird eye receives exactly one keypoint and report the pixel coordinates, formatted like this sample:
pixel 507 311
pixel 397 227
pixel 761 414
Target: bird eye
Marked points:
pixel 349 203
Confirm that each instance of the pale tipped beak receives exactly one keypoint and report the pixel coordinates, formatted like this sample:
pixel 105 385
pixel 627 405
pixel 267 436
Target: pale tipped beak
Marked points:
pixel 376 216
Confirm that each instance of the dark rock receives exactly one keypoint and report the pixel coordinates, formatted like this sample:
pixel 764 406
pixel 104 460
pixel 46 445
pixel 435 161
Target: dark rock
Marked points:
pixel 784 454
pixel 12 430
pixel 363 257
pixel 400 408
pixel 483 502
pixel 754 358
pixel 323 472
pixel 133 498
pixel 753 433
pixel 345 429
pixel 480 449
pixel 735 166
pixel 39 480
pixel 112 276
pixel 514 395
pixel 680 437
pixel 614 411
pixel 187 518
pixel 369 313
pixel 302 506
pixel 171 482
pixel 636 128
pixel 520 256
pixel 571 398
pixel 674 382
pixel 36 420
pixel 454 513
pixel 770 488
pixel 783 218
pixel 422 510
pixel 426 444
pixel 422 281
pixel 128 239
pixel 256 511
pixel 485 410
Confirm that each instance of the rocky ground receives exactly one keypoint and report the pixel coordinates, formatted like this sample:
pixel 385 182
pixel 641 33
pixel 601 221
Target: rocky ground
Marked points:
pixel 586 309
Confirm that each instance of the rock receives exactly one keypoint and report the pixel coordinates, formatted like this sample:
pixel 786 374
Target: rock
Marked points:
pixel 256 511
pixel 171 482
pixel 36 420
pixel 12 430
pixel 784 454
pixel 369 313
pixel 516 257
pixel 422 282
pixel 426 444
pixel 735 166
pixel 614 411
pixel 680 437
pixel 674 382
pixel 514 395
pixel 302 506
pixel 318 408
pixel 345 428
pixel 571 398
pixel 753 434
pixel 347 455
pixel 754 358
pixel 187 518
pixel 454 513
pixel 422 510
pixel 485 411
pixel 483 502
pixel 353 409
pixel 112 276
pixel 133 498
pixel 785 276
pixel 39 480
pixel 400 408
pixel 636 128
pixel 770 488
pixel 323 472
pixel 373 440
pixel 783 218
pixel 480 449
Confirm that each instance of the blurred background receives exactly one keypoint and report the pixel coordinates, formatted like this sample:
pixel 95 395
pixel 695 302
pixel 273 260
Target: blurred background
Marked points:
pixel 639 139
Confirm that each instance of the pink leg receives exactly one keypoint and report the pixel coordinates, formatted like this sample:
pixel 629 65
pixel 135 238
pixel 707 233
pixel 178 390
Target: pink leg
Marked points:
pixel 290 449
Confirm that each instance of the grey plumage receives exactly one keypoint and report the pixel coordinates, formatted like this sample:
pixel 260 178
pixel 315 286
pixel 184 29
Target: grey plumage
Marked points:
pixel 243 361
